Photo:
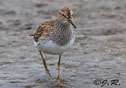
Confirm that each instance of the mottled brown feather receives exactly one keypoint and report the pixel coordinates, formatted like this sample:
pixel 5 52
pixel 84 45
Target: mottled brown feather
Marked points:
pixel 66 11
pixel 44 30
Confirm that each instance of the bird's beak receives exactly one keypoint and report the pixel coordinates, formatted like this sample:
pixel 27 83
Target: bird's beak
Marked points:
pixel 70 21
pixel 73 25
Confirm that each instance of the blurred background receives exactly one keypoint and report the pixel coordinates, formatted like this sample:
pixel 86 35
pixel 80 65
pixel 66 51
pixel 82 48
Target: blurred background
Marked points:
pixel 99 51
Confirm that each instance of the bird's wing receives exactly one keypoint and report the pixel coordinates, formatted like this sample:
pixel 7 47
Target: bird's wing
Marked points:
pixel 44 30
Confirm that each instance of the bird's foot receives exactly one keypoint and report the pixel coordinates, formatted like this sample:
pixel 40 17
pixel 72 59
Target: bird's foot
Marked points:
pixel 58 79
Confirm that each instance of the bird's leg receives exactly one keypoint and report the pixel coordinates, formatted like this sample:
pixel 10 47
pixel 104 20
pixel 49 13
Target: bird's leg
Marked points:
pixel 58 77
pixel 44 62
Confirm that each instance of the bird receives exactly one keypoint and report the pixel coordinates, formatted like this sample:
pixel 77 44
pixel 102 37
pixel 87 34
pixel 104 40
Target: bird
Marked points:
pixel 55 37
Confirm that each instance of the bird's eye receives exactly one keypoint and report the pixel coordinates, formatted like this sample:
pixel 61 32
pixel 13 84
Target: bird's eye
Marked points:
pixel 63 15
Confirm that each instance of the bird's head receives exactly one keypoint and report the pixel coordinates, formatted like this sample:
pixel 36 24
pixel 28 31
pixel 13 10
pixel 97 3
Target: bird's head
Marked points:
pixel 65 14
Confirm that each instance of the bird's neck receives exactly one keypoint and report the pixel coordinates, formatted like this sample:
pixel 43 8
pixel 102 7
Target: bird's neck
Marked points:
pixel 62 27
pixel 62 33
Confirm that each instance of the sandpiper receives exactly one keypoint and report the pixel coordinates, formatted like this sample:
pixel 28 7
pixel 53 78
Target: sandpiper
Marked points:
pixel 55 37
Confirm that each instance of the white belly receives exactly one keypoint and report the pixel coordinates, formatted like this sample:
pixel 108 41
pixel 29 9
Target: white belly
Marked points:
pixel 52 48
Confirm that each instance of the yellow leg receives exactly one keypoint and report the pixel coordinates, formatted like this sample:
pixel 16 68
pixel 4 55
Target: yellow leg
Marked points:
pixel 44 62
pixel 58 77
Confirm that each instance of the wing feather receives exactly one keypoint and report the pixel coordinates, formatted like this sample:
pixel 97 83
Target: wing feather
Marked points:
pixel 43 31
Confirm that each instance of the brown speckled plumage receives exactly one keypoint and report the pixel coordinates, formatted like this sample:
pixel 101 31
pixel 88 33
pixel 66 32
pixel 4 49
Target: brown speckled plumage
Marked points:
pixel 66 11
pixel 44 30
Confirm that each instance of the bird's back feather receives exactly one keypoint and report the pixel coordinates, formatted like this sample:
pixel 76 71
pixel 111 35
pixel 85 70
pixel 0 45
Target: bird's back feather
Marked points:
pixel 43 31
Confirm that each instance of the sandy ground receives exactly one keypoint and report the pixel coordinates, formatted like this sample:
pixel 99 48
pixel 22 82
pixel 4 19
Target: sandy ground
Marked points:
pixel 99 52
